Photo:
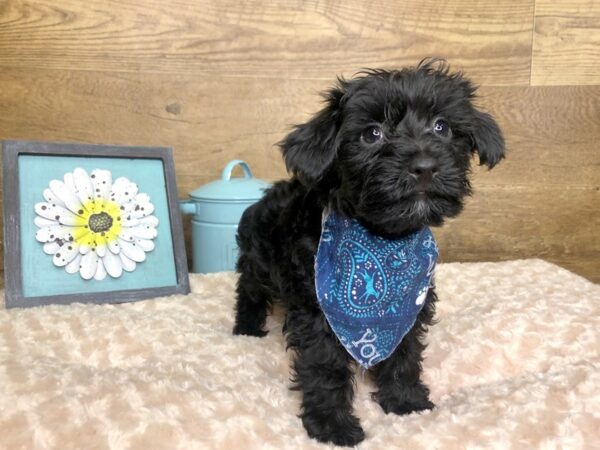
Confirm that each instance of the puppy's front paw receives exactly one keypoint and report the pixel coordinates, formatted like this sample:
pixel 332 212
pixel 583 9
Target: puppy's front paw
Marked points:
pixel 404 400
pixel 248 330
pixel 337 427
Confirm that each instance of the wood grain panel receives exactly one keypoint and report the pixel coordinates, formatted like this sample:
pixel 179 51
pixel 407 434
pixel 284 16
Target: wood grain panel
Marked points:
pixel 556 224
pixel 552 133
pixel 519 222
pixel 540 202
pixel 552 136
pixel 293 38
pixel 566 44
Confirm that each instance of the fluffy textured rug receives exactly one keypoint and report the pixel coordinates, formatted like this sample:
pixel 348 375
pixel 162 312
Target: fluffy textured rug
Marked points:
pixel 512 363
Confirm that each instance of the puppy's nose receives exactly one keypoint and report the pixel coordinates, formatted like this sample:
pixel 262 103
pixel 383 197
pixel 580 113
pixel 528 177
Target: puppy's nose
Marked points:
pixel 423 168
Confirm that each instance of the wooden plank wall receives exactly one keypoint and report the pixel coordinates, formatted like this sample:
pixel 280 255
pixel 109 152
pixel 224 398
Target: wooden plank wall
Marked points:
pixel 219 80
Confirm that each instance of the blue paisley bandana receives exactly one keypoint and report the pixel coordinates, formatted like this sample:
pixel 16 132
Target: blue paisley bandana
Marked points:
pixel 371 289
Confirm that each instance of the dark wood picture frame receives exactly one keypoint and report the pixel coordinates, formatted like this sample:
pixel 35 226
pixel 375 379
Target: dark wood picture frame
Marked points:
pixel 12 150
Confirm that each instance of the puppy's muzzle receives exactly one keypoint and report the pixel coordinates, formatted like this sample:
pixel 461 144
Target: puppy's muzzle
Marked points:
pixel 423 169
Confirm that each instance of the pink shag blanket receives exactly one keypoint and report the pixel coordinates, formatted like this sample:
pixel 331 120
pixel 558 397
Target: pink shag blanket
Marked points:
pixel 513 362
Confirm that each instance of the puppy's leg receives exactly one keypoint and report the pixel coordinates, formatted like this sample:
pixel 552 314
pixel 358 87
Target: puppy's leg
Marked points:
pixel 398 377
pixel 251 307
pixel 323 375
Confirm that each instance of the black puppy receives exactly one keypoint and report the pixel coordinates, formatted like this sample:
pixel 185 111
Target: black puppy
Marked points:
pixel 391 149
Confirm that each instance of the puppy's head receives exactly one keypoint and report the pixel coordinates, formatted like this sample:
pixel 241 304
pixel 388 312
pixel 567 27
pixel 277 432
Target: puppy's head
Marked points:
pixel 393 148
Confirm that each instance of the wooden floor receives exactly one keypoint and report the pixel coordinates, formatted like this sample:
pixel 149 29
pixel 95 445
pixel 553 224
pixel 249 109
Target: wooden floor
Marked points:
pixel 218 80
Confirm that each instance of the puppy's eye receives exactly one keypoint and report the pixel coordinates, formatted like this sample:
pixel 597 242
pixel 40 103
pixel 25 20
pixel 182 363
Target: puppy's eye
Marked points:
pixel 372 135
pixel 441 127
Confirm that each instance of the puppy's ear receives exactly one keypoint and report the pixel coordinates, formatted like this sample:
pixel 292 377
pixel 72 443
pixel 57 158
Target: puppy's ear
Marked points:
pixel 310 149
pixel 488 141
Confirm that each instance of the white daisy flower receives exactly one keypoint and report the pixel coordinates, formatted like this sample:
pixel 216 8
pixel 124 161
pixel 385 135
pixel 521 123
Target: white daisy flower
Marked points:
pixel 94 226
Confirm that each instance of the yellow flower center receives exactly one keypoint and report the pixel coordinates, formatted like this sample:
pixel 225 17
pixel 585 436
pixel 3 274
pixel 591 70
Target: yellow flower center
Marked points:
pixel 98 223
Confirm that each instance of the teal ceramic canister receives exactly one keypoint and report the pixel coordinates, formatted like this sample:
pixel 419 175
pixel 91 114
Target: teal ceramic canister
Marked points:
pixel 217 208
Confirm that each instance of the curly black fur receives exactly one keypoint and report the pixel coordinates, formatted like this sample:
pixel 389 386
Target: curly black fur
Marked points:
pixel 334 166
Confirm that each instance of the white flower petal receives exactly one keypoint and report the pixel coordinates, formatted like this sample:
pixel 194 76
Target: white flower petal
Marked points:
pixel 146 245
pixel 52 198
pixel 101 249
pixel 67 196
pixel 125 235
pixel 50 248
pixel 132 251
pixel 53 233
pixel 83 185
pixel 149 220
pixel 128 264
pixel 65 254
pixel 69 181
pixel 123 191
pixel 89 264
pixel 142 232
pixel 114 247
pixel 73 266
pixel 56 232
pixel 41 222
pixel 128 221
pixel 113 264
pixel 142 197
pixel 140 200
pixel 84 249
pixel 142 210
pixel 126 208
pixel 100 271
pixel 55 212
pixel 101 181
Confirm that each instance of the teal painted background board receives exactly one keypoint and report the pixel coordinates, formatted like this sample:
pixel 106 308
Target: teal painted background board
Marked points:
pixel 40 277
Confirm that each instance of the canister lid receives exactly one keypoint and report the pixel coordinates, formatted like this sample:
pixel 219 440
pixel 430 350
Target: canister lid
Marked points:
pixel 228 188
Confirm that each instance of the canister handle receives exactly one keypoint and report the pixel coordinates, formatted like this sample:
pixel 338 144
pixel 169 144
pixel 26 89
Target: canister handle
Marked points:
pixel 187 206
pixel 226 175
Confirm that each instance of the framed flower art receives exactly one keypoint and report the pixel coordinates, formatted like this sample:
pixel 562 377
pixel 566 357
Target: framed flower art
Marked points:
pixel 90 223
